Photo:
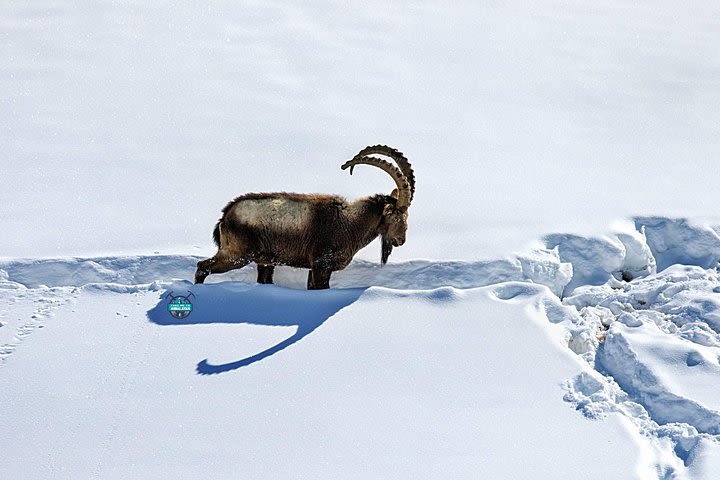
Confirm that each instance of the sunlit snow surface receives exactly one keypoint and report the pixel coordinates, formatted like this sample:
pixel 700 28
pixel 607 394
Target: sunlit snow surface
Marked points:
pixel 126 126
pixel 477 352
pixel 425 369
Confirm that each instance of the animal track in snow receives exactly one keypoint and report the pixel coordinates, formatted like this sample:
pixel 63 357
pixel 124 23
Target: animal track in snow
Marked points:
pixel 30 310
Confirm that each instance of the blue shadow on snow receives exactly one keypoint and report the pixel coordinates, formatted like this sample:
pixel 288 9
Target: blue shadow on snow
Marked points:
pixel 234 302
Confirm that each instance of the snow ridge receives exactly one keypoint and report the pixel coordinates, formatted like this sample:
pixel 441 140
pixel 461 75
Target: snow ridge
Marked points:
pixel 543 267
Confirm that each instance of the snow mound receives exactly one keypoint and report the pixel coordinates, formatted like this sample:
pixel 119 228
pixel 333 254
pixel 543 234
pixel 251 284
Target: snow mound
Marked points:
pixel 595 260
pixel 680 241
pixel 539 267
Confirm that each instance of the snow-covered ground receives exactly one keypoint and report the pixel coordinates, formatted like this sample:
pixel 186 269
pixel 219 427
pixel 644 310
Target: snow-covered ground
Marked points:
pixel 126 126
pixel 555 312
pixel 394 384
pixel 497 369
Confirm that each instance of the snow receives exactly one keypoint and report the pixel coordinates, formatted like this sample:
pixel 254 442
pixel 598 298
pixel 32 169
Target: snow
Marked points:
pixel 663 342
pixel 553 314
pixel 681 241
pixel 417 368
pixel 389 383
pixel 539 266
pixel 127 126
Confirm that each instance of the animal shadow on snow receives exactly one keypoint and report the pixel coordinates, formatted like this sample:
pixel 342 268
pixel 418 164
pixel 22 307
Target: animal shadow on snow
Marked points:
pixel 234 302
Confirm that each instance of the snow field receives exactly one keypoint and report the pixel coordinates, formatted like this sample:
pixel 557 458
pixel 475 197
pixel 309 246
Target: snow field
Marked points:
pixel 126 126
pixel 640 357
pixel 398 383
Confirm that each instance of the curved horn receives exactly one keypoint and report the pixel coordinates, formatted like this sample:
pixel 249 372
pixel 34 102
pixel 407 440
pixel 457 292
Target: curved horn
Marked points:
pixel 399 158
pixel 400 180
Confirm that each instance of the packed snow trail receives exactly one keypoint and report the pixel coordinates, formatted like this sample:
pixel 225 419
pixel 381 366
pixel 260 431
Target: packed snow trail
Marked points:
pixel 444 359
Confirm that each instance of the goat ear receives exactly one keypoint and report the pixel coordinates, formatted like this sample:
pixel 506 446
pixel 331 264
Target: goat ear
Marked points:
pixel 394 193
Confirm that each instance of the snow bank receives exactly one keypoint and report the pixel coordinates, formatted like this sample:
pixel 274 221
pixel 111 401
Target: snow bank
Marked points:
pixel 539 267
pixel 623 255
pixel 655 244
pixel 594 260
pixel 563 263
pixel 73 271
pixel 680 241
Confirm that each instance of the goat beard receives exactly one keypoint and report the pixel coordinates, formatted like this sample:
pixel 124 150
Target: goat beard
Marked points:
pixel 386 250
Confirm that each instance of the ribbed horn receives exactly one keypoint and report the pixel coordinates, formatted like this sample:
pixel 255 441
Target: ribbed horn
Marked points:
pixel 403 186
pixel 399 158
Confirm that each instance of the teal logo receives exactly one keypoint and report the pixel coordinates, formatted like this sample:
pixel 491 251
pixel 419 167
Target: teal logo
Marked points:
pixel 179 306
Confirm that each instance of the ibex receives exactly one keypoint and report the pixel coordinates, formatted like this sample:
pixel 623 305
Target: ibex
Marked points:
pixel 319 232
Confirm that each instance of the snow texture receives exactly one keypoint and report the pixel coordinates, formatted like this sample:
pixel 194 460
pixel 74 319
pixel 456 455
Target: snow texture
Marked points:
pixel 641 356
pixel 125 127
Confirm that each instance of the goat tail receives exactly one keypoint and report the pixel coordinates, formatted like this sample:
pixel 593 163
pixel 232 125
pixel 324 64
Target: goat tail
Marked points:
pixel 216 233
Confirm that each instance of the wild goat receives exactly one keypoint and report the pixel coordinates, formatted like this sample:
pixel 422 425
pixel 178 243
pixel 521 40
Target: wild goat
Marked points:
pixel 319 232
